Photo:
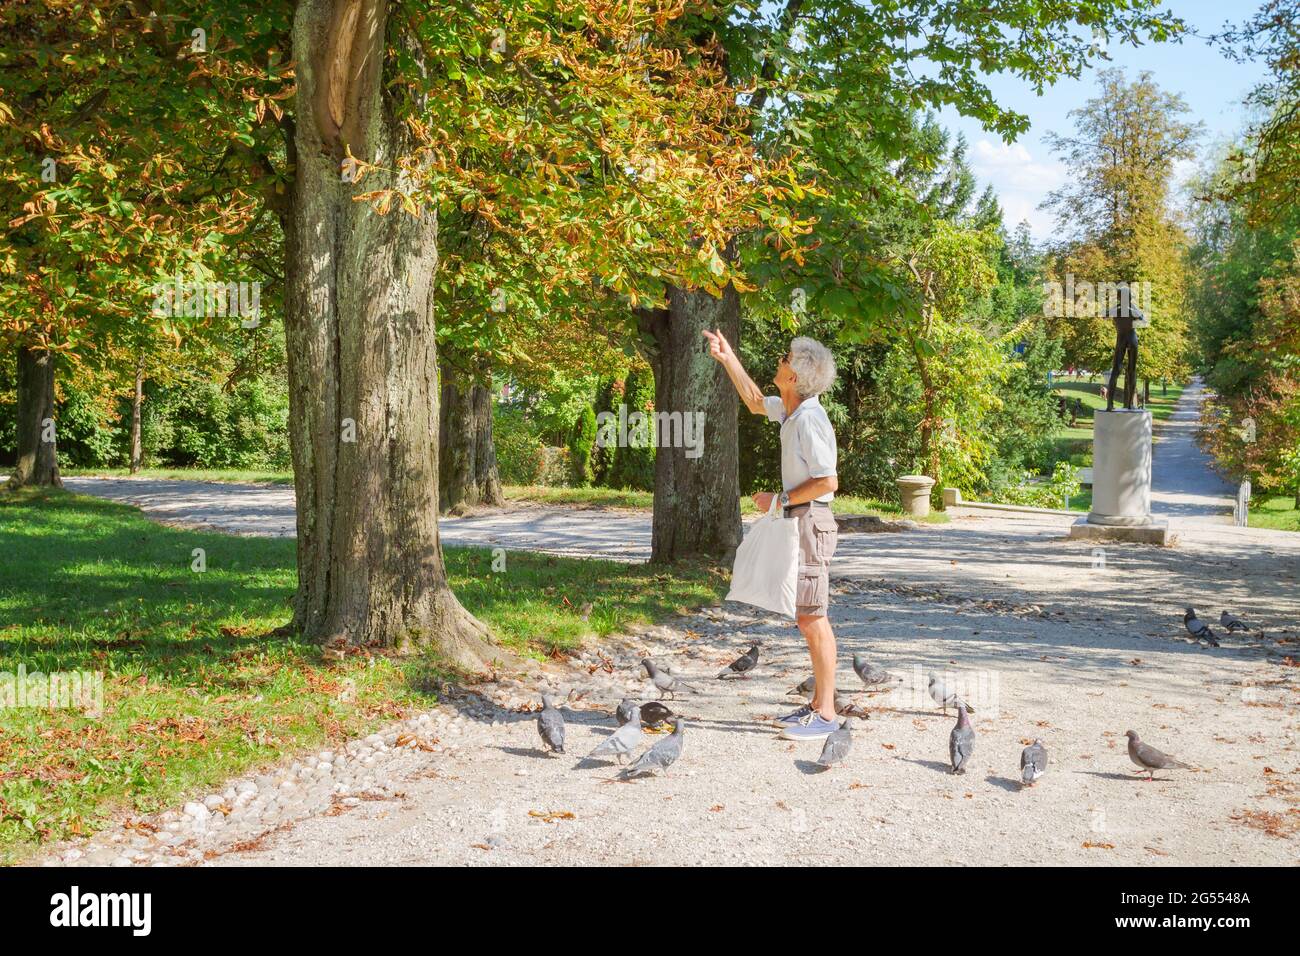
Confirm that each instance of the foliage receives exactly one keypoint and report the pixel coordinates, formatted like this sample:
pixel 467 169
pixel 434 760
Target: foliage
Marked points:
pixel 581 445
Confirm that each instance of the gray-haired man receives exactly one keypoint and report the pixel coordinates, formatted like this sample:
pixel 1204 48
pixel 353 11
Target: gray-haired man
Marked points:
pixel 808 480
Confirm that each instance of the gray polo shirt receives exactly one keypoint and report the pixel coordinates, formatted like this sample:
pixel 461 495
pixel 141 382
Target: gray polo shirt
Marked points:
pixel 807 442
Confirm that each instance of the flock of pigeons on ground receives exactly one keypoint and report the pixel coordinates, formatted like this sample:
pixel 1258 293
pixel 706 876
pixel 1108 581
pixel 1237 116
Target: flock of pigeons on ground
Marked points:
pixel 633 717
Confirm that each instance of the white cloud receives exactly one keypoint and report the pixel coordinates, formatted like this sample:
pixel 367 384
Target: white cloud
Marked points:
pixel 1020 181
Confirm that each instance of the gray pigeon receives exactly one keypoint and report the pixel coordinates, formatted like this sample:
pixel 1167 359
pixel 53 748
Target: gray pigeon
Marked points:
pixel 624 711
pixel 1033 762
pixel 550 725
pixel 662 755
pixel 871 675
pixel 1232 623
pixel 945 696
pixel 837 745
pixel 1198 628
pixel 622 741
pixel 664 680
pixel 741 665
pixel 804 689
pixel 961 742
pixel 1148 758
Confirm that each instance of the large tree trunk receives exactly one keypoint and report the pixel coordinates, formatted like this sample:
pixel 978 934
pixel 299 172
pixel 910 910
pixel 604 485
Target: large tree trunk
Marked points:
pixel 38 457
pixel 362 361
pixel 697 499
pixel 486 476
pixel 137 401
pixel 467 458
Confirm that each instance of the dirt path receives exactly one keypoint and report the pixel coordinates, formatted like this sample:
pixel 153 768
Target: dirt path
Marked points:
pixel 1184 484
pixel 1049 638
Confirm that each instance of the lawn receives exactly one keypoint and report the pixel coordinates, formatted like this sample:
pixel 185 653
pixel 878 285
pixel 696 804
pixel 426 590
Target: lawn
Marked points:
pixel 196 689
pixel 1274 511
pixel 1075 444
pixel 238 475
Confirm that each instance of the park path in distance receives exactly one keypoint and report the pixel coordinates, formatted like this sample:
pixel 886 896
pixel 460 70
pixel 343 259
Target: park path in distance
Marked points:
pixel 1185 488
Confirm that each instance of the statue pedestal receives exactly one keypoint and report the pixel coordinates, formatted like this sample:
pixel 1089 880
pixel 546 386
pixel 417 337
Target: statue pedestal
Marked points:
pixel 1121 481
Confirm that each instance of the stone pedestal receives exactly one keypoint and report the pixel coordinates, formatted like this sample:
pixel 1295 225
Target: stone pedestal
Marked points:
pixel 1121 481
pixel 914 494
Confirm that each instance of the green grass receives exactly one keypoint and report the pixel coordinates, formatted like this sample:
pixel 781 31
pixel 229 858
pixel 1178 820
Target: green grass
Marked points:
pixel 196 689
pixel 1075 444
pixel 238 475
pixel 1274 511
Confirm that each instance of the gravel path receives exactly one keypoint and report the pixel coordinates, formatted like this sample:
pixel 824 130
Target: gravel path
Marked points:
pixel 1184 484
pixel 1048 637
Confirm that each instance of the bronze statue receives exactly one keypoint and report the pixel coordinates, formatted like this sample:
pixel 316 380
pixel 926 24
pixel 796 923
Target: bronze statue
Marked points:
pixel 1124 315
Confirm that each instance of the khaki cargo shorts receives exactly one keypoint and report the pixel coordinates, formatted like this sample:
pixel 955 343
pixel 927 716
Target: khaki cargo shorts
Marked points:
pixel 818 535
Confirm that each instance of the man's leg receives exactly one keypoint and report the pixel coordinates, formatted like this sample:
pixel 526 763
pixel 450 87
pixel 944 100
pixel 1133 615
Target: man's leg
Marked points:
pixel 821 648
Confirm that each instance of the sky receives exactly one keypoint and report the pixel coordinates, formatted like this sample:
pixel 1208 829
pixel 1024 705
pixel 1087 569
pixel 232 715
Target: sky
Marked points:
pixel 1024 172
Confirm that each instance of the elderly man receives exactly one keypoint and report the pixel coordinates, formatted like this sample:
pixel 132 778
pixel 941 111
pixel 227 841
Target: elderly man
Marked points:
pixel 808 481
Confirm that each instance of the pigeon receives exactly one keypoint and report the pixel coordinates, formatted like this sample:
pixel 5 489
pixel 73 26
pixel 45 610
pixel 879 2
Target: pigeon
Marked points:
pixel 871 675
pixel 945 696
pixel 1033 762
pixel 837 745
pixel 1232 623
pixel 624 711
pixel 961 742
pixel 1148 758
pixel 664 680
pixel 1198 628
pixel 654 713
pixel 550 725
pixel 662 755
pixel 746 662
pixel 622 741
pixel 847 708
pixel 804 690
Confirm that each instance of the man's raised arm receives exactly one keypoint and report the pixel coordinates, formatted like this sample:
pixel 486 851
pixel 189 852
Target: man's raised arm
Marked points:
pixel 749 393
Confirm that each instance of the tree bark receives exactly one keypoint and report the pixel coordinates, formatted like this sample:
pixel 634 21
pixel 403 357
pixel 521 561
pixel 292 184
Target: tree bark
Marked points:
pixel 137 401
pixel 697 499
pixel 467 459
pixel 362 360
pixel 486 476
pixel 38 455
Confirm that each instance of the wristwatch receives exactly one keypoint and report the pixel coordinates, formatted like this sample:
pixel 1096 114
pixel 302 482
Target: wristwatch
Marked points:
pixel 784 499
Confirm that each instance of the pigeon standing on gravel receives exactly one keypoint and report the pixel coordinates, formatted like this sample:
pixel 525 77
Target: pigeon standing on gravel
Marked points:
pixel 654 713
pixel 1033 762
pixel 741 665
pixel 961 742
pixel 550 725
pixel 1148 758
pixel 870 674
pixel 624 711
pixel 804 689
pixel 664 680
pixel 945 696
pixel 622 741
pixel 662 755
pixel 1198 628
pixel 1232 623
pixel 837 745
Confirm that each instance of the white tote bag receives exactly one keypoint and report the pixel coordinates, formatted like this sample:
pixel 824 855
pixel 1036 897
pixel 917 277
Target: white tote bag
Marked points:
pixel 767 563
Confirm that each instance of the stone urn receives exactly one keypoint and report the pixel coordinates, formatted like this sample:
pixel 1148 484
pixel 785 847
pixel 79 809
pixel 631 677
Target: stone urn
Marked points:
pixel 914 493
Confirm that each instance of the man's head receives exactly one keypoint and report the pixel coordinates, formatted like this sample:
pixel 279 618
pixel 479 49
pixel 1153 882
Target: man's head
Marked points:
pixel 808 369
